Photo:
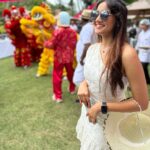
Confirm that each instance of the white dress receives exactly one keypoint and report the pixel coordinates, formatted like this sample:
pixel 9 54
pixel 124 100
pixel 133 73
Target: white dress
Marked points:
pixel 91 135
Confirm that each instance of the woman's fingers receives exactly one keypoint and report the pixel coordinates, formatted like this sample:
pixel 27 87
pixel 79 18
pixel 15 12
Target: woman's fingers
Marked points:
pixel 91 119
pixel 84 99
pixel 88 103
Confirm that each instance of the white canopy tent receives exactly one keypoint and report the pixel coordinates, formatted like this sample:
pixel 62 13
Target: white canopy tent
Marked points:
pixel 140 7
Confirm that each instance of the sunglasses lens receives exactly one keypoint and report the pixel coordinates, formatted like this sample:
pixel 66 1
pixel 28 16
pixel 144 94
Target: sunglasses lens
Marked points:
pixel 94 14
pixel 104 15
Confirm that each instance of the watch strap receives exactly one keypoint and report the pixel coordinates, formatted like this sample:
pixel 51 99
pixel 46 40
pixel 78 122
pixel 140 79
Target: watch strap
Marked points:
pixel 104 107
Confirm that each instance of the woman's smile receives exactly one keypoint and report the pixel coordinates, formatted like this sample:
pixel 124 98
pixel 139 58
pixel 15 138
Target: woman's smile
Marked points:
pixel 99 26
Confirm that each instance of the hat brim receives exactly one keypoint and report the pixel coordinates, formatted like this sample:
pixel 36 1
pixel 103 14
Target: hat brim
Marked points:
pixel 86 18
pixel 62 25
pixel 124 121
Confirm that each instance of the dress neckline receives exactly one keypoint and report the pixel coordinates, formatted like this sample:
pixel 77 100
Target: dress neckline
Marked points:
pixel 100 55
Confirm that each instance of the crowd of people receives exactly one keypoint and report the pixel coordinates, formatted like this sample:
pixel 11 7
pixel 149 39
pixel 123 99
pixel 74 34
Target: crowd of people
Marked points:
pixel 143 46
pixel 106 65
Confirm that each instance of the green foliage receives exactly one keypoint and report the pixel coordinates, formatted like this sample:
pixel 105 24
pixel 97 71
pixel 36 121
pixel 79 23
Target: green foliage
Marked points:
pixel 26 3
pixel 29 4
pixel 61 7
pixel 129 1
pixel 2 30
pixel 89 2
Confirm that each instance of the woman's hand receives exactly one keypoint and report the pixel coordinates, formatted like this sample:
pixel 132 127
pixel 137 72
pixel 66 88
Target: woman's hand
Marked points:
pixel 93 112
pixel 83 94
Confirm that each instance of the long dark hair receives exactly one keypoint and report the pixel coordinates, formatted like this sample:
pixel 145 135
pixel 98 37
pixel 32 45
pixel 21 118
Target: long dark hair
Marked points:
pixel 114 62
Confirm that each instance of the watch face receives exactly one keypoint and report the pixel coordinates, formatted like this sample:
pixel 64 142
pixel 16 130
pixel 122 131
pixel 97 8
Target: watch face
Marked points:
pixel 104 109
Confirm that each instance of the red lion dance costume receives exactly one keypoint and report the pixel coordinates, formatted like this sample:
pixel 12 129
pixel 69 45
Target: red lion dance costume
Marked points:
pixel 22 57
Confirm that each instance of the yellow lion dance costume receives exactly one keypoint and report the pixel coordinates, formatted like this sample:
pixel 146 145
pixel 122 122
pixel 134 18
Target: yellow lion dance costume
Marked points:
pixel 39 28
pixel 43 16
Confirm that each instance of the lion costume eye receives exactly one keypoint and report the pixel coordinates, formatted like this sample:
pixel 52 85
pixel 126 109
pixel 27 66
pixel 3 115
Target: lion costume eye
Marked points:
pixel 37 16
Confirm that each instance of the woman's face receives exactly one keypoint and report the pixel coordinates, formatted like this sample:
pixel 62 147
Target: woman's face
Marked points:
pixel 104 26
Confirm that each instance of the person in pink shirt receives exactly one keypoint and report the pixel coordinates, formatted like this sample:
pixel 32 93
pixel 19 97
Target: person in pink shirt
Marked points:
pixel 63 42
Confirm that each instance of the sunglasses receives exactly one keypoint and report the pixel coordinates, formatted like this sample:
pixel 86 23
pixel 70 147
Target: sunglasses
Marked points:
pixel 103 14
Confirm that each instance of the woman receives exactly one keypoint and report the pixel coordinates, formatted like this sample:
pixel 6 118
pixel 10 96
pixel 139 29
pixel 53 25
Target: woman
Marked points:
pixel 110 66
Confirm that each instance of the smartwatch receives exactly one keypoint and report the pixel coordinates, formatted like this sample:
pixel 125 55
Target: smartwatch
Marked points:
pixel 104 108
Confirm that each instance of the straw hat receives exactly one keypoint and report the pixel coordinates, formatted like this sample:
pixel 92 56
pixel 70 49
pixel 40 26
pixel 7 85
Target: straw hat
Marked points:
pixel 63 19
pixel 128 131
pixel 86 14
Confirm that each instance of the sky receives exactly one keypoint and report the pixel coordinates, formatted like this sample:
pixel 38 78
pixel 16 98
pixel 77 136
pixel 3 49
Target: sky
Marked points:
pixel 78 3
pixel 56 1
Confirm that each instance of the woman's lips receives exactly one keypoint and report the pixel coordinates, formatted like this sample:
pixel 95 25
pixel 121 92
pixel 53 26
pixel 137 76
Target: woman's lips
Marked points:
pixel 98 24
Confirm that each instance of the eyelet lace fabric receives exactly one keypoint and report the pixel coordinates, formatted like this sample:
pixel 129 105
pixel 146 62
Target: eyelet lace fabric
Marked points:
pixel 91 135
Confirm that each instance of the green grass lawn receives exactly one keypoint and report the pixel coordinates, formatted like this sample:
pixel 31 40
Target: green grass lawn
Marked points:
pixel 29 119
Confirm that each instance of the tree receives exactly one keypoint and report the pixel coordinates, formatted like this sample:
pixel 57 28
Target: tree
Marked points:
pixel 129 1
pixel 26 3
pixel 88 2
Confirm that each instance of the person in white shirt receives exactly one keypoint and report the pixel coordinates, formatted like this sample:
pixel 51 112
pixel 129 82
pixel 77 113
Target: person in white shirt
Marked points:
pixel 73 25
pixel 143 46
pixel 86 38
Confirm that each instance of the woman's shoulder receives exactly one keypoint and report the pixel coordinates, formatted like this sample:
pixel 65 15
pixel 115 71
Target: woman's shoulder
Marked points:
pixel 129 54
pixel 94 46
pixel 92 50
pixel 128 51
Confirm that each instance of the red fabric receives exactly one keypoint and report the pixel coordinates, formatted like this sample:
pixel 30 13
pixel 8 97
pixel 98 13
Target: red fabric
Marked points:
pixel 78 15
pixel 22 54
pixel 57 78
pixel 92 6
pixel 20 38
pixel 64 42
pixel 6 12
pixel 22 57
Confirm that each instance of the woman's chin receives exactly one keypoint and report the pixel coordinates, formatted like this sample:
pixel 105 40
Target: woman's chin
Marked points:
pixel 99 32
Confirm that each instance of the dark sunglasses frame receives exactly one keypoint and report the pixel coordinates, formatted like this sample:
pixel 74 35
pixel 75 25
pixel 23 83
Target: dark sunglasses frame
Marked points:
pixel 103 14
